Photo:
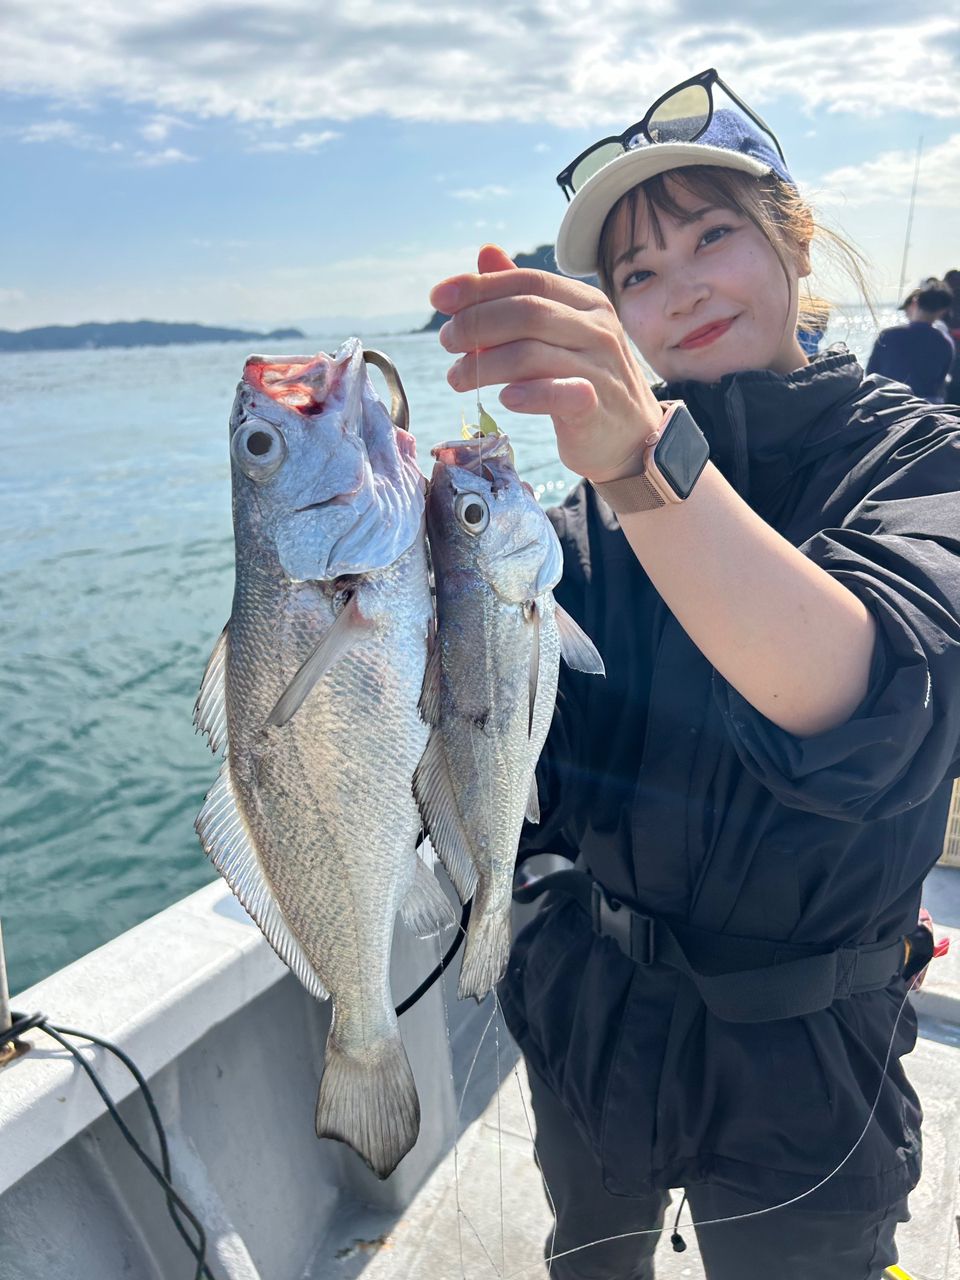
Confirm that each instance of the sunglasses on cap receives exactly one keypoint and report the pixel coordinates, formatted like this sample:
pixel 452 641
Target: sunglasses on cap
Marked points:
pixel 682 114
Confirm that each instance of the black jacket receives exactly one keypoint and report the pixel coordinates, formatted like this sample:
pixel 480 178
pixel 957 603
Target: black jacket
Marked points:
pixel 915 354
pixel 686 802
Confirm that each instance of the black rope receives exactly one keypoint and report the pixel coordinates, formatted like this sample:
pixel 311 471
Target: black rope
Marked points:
pixel 435 973
pixel 677 1240
pixel 175 1205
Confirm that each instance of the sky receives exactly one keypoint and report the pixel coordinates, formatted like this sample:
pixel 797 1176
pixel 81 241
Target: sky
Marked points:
pixel 323 163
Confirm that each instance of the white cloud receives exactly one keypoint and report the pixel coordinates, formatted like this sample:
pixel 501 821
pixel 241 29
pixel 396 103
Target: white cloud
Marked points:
pixel 50 131
pixel 563 61
pixel 302 142
pixel 62 132
pixel 158 129
pixel 476 194
pixel 169 155
pixel 889 177
pixel 11 297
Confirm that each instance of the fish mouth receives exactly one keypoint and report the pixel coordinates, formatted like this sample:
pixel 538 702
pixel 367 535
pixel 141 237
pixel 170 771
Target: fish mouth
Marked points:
pixel 304 383
pixel 468 454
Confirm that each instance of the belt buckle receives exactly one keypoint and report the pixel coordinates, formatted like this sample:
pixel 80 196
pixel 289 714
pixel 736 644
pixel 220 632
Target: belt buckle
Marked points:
pixel 613 919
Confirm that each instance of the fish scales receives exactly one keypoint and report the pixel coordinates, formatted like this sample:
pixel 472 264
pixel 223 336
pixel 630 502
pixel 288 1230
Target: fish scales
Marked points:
pixel 316 679
pixel 491 683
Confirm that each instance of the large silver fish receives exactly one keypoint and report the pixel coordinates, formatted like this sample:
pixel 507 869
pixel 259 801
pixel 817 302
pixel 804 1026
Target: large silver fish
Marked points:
pixel 491 681
pixel 313 690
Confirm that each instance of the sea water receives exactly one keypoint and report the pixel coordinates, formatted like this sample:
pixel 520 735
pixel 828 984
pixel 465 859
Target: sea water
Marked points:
pixel 117 552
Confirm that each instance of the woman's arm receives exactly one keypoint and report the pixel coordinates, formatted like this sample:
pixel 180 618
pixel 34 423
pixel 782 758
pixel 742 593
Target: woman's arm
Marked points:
pixel 791 639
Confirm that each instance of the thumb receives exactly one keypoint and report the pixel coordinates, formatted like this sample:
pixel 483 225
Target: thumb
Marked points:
pixel 492 258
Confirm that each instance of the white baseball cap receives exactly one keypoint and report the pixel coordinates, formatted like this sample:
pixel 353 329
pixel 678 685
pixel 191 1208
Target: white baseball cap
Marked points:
pixel 730 142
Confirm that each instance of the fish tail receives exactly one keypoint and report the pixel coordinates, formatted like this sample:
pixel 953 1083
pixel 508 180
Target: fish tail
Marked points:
pixel 485 954
pixel 371 1106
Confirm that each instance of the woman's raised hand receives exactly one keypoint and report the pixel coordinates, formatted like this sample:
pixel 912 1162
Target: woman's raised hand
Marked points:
pixel 558 345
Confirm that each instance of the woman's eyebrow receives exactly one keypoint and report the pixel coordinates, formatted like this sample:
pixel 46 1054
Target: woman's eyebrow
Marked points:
pixel 629 253
pixel 695 215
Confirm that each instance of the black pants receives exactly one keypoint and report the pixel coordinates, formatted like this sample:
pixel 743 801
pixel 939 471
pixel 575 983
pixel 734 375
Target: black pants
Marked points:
pixel 788 1244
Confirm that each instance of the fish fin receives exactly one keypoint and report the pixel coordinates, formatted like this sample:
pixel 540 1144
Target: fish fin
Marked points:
pixel 577 648
pixel 210 708
pixel 430 694
pixel 485 954
pixel 426 909
pixel 371 1106
pixel 533 671
pixel 226 841
pixel 533 802
pixel 339 640
pixel 438 808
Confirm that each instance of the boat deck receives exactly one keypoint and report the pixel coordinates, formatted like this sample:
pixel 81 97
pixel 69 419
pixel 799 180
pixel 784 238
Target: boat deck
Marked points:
pixel 233 1048
pixel 424 1240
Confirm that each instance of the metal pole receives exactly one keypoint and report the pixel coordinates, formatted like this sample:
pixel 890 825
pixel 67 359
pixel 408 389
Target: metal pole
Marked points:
pixel 6 1021
pixel 906 241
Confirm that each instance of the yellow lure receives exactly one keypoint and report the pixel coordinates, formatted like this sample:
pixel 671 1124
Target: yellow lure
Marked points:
pixel 487 426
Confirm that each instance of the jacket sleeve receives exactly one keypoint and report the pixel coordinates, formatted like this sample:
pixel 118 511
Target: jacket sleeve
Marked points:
pixel 899 551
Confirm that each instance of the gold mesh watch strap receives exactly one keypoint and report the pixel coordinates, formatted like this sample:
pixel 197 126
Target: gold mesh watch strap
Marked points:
pixel 629 494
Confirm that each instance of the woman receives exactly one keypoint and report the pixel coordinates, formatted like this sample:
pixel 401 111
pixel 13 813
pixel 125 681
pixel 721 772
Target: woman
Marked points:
pixel 758 788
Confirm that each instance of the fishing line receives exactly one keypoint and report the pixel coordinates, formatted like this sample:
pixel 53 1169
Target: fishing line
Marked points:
pixel 533 1141
pixel 456 1127
pixel 503 1240
pixel 754 1213
pixel 463 1095
pixel 462 1215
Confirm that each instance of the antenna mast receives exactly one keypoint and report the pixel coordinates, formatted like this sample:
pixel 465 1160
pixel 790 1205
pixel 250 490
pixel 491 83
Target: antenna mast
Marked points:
pixel 906 239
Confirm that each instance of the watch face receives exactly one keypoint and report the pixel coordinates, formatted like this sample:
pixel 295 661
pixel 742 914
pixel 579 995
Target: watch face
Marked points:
pixel 681 453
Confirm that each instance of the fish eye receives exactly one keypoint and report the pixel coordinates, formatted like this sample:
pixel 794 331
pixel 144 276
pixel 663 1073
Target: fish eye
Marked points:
pixel 472 512
pixel 258 449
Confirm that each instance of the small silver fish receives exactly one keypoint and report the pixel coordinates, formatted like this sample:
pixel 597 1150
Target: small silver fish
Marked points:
pixel 491 681
pixel 313 690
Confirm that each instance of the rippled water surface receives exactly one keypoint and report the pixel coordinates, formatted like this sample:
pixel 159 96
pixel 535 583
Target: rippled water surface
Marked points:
pixel 117 554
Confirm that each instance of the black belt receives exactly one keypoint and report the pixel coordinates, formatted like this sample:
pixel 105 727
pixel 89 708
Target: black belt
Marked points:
pixel 739 979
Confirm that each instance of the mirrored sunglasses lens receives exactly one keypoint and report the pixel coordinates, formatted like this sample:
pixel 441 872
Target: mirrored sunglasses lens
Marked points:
pixel 591 163
pixel 681 116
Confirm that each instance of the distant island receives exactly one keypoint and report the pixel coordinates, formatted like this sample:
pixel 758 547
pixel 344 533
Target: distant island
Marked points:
pixel 137 333
pixel 542 259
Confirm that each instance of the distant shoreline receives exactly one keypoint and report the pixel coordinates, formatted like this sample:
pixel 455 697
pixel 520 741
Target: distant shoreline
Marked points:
pixel 136 333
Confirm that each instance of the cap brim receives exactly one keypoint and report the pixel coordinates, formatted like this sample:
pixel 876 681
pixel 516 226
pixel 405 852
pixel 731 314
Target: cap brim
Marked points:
pixel 578 240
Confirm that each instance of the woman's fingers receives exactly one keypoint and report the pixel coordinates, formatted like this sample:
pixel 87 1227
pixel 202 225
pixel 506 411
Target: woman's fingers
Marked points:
pixel 526 360
pixel 457 292
pixel 505 320
pixel 492 258
pixel 567 398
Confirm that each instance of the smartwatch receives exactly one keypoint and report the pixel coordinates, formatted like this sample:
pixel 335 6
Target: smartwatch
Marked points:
pixel 673 457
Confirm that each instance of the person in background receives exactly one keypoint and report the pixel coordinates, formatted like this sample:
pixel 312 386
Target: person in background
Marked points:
pixel 952 280
pixel 941 324
pixel 917 354
pixel 764 549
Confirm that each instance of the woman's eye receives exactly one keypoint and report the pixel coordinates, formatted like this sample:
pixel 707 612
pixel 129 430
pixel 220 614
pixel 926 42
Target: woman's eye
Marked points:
pixel 715 234
pixel 636 277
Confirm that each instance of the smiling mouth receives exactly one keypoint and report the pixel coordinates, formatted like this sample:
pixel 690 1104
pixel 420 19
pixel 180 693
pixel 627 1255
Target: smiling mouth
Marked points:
pixel 703 337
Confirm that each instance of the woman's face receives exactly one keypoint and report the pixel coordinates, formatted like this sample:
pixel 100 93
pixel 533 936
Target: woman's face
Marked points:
pixel 713 299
